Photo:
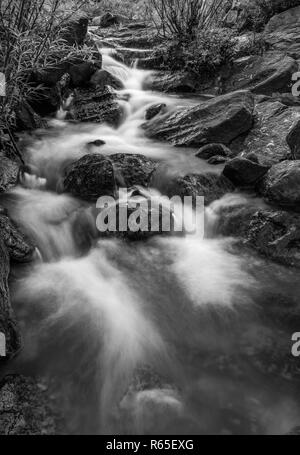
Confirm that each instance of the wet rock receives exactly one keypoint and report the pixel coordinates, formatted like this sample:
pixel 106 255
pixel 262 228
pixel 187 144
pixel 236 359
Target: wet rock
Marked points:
pixel 96 143
pixel 48 102
pixel 209 185
pixel 99 106
pixel 170 82
pixel 82 73
pixel 217 159
pixel 109 19
pixel 221 119
pixel 293 139
pixel 75 31
pixel 27 119
pixel 274 234
pixel 210 150
pixel 90 177
pixel 243 172
pixel 8 324
pixel 150 63
pixel 264 75
pixel 133 169
pixel 281 185
pixel 154 110
pixel 267 139
pixel 18 246
pixel 24 408
pixel 102 78
pixel 282 33
pixel 9 173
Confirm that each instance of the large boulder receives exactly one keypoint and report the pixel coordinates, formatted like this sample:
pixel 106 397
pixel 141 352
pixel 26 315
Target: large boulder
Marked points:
pixel 267 139
pixel 24 407
pixel 243 172
pixel 283 32
pixel 75 31
pixel 96 175
pixel 9 173
pixel 102 78
pixel 274 234
pixel 170 82
pixel 267 74
pixel 281 185
pixel 96 105
pixel 221 119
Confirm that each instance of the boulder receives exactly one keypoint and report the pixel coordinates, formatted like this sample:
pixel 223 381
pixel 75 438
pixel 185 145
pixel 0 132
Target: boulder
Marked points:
pixel 267 139
pixel 8 324
pixel 293 139
pixel 99 106
pixel 27 119
pixel 170 82
pixel 243 172
pixel 96 175
pixel 282 33
pixel 221 119
pixel 75 31
pixel 9 173
pixel 274 234
pixel 210 150
pixel 24 407
pixel 281 185
pixel 217 159
pixel 82 73
pixel 109 19
pixel 96 143
pixel 209 185
pixel 17 245
pixel 154 110
pixel 103 78
pixel 263 75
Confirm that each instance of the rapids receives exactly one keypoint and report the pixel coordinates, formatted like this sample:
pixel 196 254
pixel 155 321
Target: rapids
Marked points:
pixel 168 336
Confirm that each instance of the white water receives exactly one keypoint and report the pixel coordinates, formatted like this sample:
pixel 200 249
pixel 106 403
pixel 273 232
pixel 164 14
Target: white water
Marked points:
pixel 96 312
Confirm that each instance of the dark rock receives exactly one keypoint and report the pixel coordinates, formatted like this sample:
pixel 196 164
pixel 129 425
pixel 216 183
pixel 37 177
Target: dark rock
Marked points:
pixel 170 82
pixel 221 119
pixel 102 78
pixel 99 106
pixel 109 19
pixel 154 110
pixel 96 143
pixel 264 75
pixel 267 139
pixel 217 159
pixel 211 150
pixel 75 31
pixel 27 119
pixel 8 324
pixel 243 172
pixel 82 73
pixel 9 173
pixel 281 185
pixel 131 170
pixel 18 246
pixel 211 186
pixel 48 102
pixel 150 63
pixel 24 408
pixel 293 140
pixel 282 33
pixel 90 177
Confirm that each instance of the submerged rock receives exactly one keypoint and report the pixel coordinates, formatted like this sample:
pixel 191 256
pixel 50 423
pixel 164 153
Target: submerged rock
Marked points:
pixel 281 185
pixel 243 172
pixel 24 408
pixel 221 119
pixel 96 105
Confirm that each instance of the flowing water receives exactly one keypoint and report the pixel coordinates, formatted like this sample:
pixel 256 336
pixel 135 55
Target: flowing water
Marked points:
pixel 177 335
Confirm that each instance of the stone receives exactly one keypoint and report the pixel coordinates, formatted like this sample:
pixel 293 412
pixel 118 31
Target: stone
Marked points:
pixel 18 246
pixel 9 173
pixel 154 110
pixel 282 32
pixel 243 172
pixel 27 119
pixel 210 150
pixel 221 119
pixel 103 78
pixel 217 159
pixel 75 31
pixel 133 169
pixel 293 139
pixel 170 82
pixel 281 185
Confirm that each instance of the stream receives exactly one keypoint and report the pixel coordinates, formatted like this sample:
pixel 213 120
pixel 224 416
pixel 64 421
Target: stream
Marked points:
pixel 174 335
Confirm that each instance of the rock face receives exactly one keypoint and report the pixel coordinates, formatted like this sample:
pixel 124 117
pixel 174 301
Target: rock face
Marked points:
pixel 265 74
pixel 23 408
pixel 170 82
pixel 281 185
pixel 275 234
pixel 103 78
pixel 75 31
pixel 18 247
pixel 220 119
pixel 211 186
pixel 267 139
pixel 99 106
pixel 211 150
pixel 283 32
pixel 9 173
pixel 243 172
pixel 97 175
pixel 293 139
